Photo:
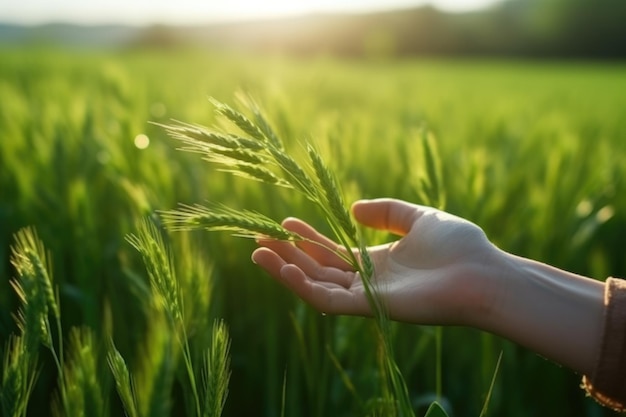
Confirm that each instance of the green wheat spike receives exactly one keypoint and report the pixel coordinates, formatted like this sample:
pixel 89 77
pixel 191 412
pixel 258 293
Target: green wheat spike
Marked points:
pixel 18 377
pixel 236 155
pixel 31 317
pixel 295 175
pixel 34 288
pixel 332 195
pixel 228 154
pixel 260 120
pixel 434 187
pixel 257 173
pixel 38 260
pixel 82 390
pixel 157 258
pixel 243 223
pixel 123 383
pixel 199 135
pixel 216 372
pixel 250 144
pixel 241 121
pixel 195 134
pixel 168 296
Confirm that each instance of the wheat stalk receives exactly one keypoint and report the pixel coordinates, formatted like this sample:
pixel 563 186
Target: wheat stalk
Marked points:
pixel 242 223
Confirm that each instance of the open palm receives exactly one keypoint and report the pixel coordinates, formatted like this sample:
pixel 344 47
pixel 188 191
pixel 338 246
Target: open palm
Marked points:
pixel 431 275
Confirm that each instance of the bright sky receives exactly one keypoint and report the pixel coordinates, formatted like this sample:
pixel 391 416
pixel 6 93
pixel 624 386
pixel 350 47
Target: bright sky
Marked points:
pixel 197 11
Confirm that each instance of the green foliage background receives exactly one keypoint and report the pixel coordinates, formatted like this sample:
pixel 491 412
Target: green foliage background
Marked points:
pixel 534 152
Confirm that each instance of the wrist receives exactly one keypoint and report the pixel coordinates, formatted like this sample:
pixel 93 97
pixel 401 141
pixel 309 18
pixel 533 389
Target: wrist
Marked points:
pixel 478 288
pixel 487 289
pixel 553 312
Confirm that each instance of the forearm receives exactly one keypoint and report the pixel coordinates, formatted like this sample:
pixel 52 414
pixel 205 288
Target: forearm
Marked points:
pixel 555 313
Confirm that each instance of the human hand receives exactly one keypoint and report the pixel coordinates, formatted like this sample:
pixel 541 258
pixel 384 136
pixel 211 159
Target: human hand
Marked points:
pixel 435 274
pixel 444 271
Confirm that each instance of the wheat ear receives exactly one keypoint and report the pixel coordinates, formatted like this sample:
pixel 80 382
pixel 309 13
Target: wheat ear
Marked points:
pixel 123 383
pixel 216 217
pixel 158 261
pixel 216 371
pixel 18 377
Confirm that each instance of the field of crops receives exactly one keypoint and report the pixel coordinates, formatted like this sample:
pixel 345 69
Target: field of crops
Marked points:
pixel 533 152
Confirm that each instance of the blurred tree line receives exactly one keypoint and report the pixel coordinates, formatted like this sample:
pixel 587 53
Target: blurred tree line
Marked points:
pixel 577 28
pixel 542 28
pixel 525 28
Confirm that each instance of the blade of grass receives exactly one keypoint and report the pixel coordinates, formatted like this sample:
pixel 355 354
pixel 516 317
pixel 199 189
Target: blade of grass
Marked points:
pixel 483 412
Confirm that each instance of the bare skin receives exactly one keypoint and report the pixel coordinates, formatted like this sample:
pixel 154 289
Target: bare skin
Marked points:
pixel 444 271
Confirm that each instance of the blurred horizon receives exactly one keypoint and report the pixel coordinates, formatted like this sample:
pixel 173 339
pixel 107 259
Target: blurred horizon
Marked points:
pixel 194 12
pixel 585 29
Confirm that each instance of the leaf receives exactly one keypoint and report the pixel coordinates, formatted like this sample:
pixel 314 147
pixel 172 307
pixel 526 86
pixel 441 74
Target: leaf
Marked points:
pixel 435 410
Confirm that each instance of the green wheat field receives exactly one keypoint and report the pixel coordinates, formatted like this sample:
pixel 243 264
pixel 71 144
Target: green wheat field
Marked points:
pixel 106 312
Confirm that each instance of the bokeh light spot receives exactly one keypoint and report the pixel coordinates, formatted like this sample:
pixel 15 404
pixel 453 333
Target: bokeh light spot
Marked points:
pixel 142 141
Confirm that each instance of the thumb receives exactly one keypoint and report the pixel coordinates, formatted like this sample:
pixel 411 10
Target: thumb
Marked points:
pixel 395 216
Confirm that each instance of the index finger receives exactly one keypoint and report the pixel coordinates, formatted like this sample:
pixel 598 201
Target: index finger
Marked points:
pixel 319 247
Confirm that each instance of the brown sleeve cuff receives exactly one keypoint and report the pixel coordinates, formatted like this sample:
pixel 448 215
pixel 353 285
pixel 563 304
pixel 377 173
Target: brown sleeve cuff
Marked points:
pixel 607 385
